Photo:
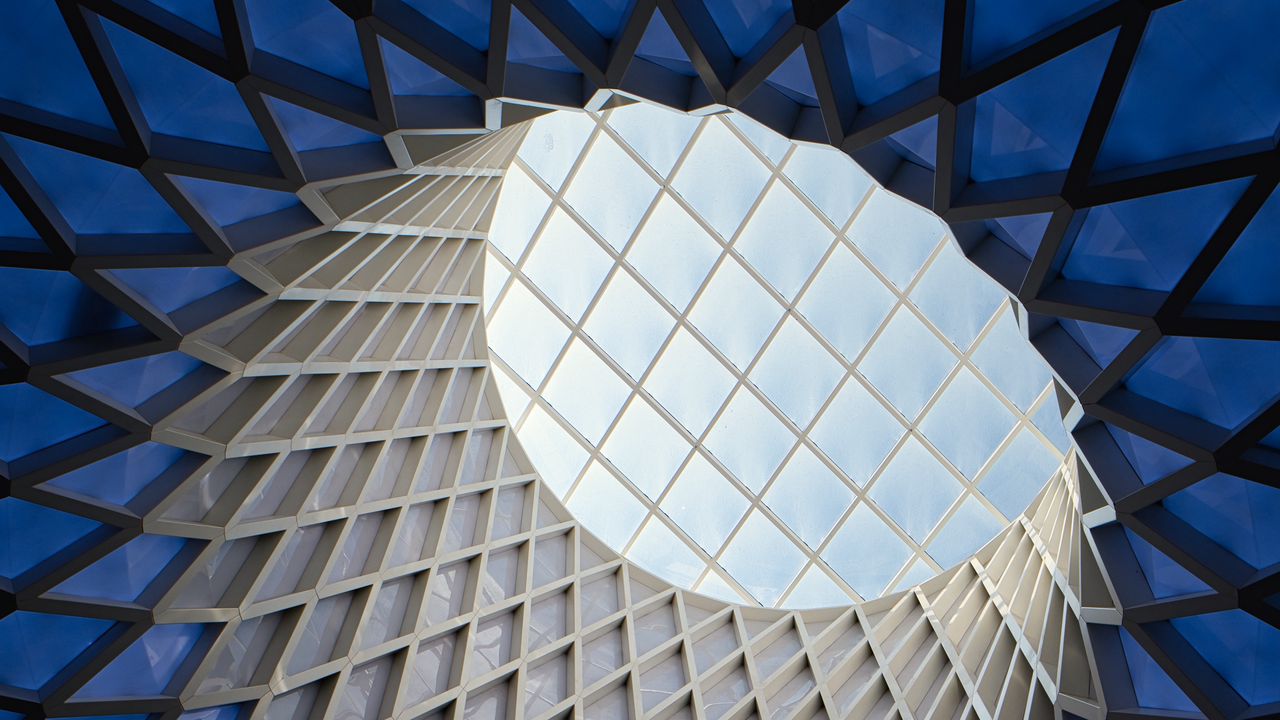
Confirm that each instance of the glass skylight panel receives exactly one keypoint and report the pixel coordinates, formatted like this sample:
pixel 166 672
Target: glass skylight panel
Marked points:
pixel 720 178
pixel 773 145
pixel 629 324
pixel 611 192
pixel 659 550
pixel 566 264
pixel 1007 358
pixel 792 494
pixel 816 589
pixel 796 372
pixel 605 506
pixel 553 452
pixel 586 391
pixel 673 252
pixel 520 210
pixel 967 423
pixel 659 136
pixel 969 528
pixel 646 448
pixel 915 489
pixel 526 334
pixel 866 552
pixel 1011 483
pixel 783 240
pixel 749 440
pixel 833 184
pixel 907 363
pixel 735 312
pixel 895 236
pixel 706 385
pixel 956 297
pixel 689 382
pixel 846 302
pixel 762 559
pixel 553 144
pixel 688 504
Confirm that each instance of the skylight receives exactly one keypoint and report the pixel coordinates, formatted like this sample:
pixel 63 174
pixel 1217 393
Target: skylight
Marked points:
pixel 751 369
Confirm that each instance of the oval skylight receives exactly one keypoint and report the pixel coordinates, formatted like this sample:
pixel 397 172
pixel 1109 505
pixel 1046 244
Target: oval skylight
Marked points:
pixel 751 369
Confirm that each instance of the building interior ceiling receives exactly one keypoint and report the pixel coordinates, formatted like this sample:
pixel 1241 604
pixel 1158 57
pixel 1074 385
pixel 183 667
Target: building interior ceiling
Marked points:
pixel 254 459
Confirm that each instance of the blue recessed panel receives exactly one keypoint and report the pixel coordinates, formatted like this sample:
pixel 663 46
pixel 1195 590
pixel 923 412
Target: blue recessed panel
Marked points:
pixel 1222 381
pixel 1001 26
pixel 1150 462
pixel 181 98
pixel 918 143
pixel 168 289
pixel 606 16
pixel 12 222
pixel 1021 232
pixel 1243 649
pixel 660 45
pixel 43 66
pixel 36 646
pixel 526 45
pixel 1103 343
pixel 743 23
pixel 1149 242
pixel 890 44
pixel 31 533
pixel 119 478
pixel 1152 686
pixel 133 382
pixel 95 196
pixel 793 79
pixel 311 33
pixel 1247 275
pixel 58 421
pixel 43 306
pixel 200 13
pixel 125 572
pixel 1237 514
pixel 308 130
pixel 1204 78
pixel 229 204
pixel 411 76
pixel 1031 124
pixel 468 19
pixel 146 667
pixel 1165 577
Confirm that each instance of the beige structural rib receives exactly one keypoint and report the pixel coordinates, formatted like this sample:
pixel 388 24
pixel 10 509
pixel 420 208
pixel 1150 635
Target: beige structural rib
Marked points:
pixel 380 547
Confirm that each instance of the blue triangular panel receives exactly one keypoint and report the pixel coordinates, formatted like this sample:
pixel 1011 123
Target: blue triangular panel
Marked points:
pixel 146 667
pixel 229 204
pixel 133 382
pixel 743 23
pixel 919 143
pixel 312 33
pixel 200 13
pixel 125 572
pixel 1247 275
pixel 44 306
pixel 1028 125
pixel 308 130
pixel 30 533
pixel 181 98
pixel 890 44
pixel 793 79
pixel 526 45
pixel 43 66
pixel 119 478
pixel 95 196
pixel 606 16
pixel 37 646
pixel 1149 242
pixel 659 45
pixel 468 19
pixel 411 76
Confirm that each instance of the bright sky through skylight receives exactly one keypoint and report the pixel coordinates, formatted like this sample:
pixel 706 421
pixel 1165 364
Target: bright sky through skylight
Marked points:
pixel 751 369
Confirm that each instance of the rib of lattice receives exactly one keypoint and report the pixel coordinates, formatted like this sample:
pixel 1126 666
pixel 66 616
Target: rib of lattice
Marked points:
pixel 378 545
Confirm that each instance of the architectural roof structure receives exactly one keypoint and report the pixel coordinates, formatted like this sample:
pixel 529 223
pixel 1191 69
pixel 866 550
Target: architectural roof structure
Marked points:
pixel 253 395
pixel 862 402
